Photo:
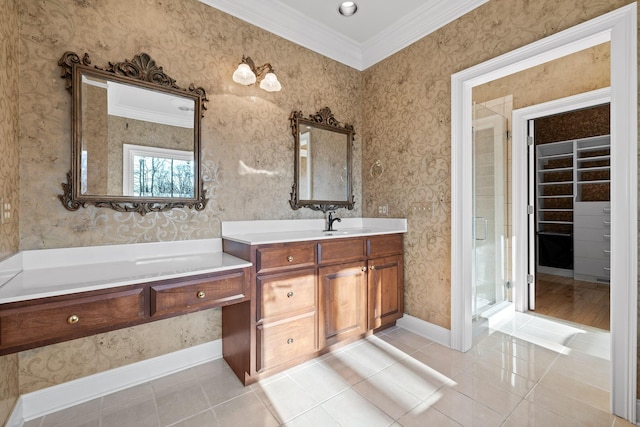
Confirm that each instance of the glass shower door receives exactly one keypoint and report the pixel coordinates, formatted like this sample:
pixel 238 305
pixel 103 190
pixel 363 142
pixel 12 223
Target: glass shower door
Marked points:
pixel 490 269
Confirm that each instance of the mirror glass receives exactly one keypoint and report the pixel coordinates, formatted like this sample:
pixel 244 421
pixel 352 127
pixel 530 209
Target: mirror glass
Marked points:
pixel 136 137
pixel 135 141
pixel 322 163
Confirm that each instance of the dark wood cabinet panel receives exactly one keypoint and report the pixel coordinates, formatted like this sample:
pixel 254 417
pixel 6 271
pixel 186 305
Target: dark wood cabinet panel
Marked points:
pixel 280 342
pixel 285 294
pixel 340 250
pixel 285 256
pixel 199 292
pixel 388 244
pixel 343 301
pixel 386 291
pixel 60 320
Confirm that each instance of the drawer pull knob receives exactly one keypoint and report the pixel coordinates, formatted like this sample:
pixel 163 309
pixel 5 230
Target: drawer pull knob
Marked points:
pixel 607 251
pixel 606 222
pixel 606 268
pixel 201 294
pixel 290 341
pixel 73 319
pixel 289 294
pixel 607 236
pixel 606 210
pixel 290 258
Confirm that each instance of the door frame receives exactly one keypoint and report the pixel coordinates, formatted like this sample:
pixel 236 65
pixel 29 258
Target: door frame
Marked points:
pixel 620 28
pixel 521 182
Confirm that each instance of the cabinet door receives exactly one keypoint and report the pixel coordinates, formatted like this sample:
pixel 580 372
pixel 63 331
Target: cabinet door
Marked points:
pixel 343 301
pixel 386 293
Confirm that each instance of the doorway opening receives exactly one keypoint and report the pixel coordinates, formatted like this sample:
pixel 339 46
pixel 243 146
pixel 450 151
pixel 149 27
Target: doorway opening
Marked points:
pixel 570 176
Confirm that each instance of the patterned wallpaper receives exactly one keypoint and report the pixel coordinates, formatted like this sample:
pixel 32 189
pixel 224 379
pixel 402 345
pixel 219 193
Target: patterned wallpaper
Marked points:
pixel 247 146
pixel 9 74
pixel 400 109
pixel 407 129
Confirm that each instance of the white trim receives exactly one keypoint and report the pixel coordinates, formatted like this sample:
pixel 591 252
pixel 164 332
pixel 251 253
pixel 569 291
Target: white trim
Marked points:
pixel 425 329
pixel 301 29
pixel 620 27
pixel 51 399
pixel 521 180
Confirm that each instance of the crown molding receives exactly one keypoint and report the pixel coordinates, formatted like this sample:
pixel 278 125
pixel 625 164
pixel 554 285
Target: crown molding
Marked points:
pixel 296 27
pixel 412 28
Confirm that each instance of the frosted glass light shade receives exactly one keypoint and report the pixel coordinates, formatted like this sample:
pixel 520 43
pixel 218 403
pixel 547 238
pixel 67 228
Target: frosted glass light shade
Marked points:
pixel 270 83
pixel 244 75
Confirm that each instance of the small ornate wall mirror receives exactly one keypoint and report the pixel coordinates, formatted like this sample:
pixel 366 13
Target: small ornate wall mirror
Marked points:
pixel 135 137
pixel 322 162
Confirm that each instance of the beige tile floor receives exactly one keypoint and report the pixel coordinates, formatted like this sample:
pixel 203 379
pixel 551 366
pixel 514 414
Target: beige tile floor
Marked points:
pixel 527 371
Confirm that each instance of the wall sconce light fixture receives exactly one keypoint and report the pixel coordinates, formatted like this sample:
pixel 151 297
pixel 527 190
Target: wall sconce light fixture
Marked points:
pixel 247 74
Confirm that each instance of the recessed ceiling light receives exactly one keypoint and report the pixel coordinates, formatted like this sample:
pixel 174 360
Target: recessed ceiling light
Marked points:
pixel 348 8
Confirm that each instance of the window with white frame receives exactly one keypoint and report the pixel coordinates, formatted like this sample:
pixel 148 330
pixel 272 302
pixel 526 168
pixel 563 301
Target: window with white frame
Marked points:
pixel 157 172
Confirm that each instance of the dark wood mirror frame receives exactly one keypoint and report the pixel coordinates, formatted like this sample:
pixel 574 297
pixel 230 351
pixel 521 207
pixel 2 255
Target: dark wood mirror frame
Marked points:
pixel 143 72
pixel 323 120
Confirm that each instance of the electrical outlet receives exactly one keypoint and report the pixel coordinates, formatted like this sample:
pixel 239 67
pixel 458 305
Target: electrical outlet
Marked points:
pixel 383 210
pixel 6 211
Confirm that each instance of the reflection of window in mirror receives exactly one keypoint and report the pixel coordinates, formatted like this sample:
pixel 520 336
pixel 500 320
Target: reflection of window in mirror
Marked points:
pixel 305 165
pixel 83 172
pixel 157 172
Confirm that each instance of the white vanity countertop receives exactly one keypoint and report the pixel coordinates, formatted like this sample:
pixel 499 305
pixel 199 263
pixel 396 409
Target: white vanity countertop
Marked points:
pixel 50 272
pixel 297 230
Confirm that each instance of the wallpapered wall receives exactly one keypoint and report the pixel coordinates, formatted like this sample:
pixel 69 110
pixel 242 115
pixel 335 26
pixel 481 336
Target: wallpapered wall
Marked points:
pixel 9 38
pixel 400 109
pixel 247 146
pixel 407 126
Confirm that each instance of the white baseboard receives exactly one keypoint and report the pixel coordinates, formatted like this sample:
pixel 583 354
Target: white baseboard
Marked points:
pixel 425 329
pixel 51 399
pixel 638 411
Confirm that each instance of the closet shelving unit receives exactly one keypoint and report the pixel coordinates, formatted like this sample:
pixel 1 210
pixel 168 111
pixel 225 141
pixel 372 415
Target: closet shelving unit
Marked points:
pixel 567 174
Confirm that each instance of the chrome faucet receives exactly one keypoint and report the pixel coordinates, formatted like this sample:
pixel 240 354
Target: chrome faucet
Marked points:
pixel 331 220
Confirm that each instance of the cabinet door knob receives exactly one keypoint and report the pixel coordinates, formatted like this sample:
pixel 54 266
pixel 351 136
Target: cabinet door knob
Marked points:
pixel 201 294
pixel 289 294
pixel 364 268
pixel 290 258
pixel 373 267
pixel 73 319
pixel 290 341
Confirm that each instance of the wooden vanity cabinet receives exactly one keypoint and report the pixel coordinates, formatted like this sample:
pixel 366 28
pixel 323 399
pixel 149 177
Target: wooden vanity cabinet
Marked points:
pixel 35 323
pixel 310 296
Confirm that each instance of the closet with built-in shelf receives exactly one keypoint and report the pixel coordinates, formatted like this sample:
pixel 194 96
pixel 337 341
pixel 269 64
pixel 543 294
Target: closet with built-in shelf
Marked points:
pixel 573 209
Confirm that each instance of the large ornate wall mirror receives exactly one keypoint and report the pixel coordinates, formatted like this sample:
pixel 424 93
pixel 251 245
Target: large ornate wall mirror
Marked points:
pixel 322 162
pixel 135 137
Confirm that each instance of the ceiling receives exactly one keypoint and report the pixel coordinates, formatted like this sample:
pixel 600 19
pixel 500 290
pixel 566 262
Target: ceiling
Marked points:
pixel 379 28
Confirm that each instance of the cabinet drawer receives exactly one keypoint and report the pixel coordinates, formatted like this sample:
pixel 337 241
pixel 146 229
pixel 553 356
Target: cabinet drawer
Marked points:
pixel 596 250
pixel 198 293
pixel 340 250
pixel 279 343
pixel 286 294
pixel 593 221
pixel 591 234
pixel 592 208
pixel 592 267
pixel 59 320
pixel 384 245
pixel 291 255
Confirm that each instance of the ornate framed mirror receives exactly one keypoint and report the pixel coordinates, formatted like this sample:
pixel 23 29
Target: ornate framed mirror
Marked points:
pixel 323 145
pixel 135 137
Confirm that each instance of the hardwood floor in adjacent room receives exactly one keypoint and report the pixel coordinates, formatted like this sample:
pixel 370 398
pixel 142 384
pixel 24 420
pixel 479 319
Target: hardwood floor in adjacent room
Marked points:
pixel 577 301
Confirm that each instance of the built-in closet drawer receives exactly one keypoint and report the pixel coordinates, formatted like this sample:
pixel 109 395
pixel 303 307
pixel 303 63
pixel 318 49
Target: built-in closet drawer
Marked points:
pixel 198 293
pixel 292 255
pixel 341 250
pixel 593 267
pixel 592 240
pixel 70 318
